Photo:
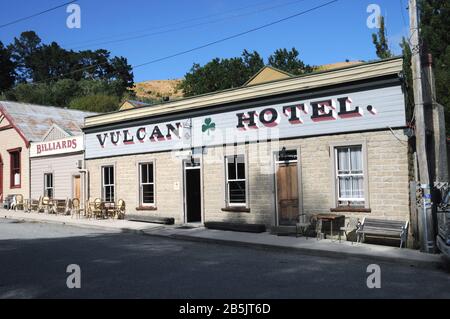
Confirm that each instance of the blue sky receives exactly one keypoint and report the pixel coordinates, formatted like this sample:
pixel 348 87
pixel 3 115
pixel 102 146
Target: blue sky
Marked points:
pixel 330 34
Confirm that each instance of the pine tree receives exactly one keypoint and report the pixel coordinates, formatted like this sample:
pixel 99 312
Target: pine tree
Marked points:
pixel 380 41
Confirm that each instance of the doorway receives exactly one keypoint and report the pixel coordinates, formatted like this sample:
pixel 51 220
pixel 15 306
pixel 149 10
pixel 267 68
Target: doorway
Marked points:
pixel 287 190
pixel 192 191
pixel 77 187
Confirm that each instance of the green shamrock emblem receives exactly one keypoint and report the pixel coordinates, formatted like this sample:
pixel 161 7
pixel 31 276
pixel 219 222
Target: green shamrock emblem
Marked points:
pixel 208 126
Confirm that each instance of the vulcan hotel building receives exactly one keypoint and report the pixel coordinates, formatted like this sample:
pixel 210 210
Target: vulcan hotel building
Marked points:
pixel 281 145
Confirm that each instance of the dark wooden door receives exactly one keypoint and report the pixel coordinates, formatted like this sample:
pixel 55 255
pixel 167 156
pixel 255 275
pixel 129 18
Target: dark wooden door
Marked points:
pixel 193 196
pixel 287 193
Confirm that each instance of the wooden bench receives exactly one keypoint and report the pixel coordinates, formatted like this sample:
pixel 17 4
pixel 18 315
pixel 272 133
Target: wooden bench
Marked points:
pixel 382 228
pixel 248 228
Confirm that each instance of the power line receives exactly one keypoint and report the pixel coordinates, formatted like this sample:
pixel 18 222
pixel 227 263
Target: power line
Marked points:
pixel 36 14
pixel 170 24
pixel 190 26
pixel 235 35
pixel 204 45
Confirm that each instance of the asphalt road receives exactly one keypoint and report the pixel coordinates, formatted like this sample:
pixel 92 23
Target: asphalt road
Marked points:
pixel 34 258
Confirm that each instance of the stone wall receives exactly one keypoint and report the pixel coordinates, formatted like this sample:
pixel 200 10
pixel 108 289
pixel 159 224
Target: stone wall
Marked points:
pixel 387 172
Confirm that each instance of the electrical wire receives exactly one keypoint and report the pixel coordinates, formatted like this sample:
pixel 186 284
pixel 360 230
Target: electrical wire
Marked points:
pixel 204 45
pixel 133 32
pixel 236 35
pixel 136 37
pixel 36 14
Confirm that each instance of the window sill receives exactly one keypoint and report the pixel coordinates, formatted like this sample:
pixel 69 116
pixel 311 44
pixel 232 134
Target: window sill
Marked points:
pixel 144 208
pixel 16 186
pixel 351 209
pixel 236 209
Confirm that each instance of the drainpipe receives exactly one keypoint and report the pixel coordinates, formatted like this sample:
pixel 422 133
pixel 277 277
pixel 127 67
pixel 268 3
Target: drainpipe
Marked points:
pixel 85 172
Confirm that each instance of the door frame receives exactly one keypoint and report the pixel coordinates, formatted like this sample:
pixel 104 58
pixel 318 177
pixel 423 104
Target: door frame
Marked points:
pixel 200 168
pixel 299 181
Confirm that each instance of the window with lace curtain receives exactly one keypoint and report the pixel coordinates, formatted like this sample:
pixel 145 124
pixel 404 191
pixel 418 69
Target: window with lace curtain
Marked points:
pixel 350 175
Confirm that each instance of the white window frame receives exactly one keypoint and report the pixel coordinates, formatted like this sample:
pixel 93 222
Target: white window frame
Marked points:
pixel 141 197
pixel 108 185
pixel 227 182
pixel 334 172
pixel 341 175
pixel 46 188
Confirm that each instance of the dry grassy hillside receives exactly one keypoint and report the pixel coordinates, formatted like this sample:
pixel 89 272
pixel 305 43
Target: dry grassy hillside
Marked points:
pixel 158 89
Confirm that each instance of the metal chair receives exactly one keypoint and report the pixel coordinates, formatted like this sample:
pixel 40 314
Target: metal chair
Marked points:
pixel 302 226
pixel 319 230
pixel 352 225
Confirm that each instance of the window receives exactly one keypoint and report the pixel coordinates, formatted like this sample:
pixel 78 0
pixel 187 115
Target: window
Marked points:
pixel 235 180
pixel 350 175
pixel 48 185
pixel 15 170
pixel 108 184
pixel 146 184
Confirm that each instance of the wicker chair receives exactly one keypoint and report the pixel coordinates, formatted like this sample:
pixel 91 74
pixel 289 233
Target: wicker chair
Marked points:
pixel 97 208
pixel 120 209
pixel 34 204
pixel 60 206
pixel 45 205
pixel 76 209
pixel 19 202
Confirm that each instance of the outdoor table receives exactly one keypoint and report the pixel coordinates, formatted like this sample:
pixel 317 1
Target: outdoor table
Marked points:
pixel 108 208
pixel 329 218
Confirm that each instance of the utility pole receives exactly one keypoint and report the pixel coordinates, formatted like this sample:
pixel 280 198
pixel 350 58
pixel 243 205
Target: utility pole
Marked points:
pixel 425 218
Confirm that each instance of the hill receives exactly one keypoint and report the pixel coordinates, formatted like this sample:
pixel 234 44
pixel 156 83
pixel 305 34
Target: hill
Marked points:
pixel 157 89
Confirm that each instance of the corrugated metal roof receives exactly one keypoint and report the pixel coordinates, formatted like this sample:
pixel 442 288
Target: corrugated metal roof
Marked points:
pixel 315 80
pixel 34 121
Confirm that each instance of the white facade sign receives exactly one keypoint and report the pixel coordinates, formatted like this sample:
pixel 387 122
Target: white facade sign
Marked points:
pixel 356 111
pixel 71 144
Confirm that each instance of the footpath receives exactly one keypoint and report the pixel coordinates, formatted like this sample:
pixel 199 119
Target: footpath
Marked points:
pixel 311 246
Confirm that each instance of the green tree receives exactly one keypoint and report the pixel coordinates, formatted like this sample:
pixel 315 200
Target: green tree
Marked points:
pixel 407 78
pixel 435 34
pixel 380 41
pixel 38 62
pixel 289 61
pixel 22 51
pixel 96 103
pixel 7 69
pixel 221 74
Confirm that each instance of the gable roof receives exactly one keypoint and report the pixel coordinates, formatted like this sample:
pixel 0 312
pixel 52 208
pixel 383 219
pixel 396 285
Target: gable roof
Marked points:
pixel 267 74
pixel 34 122
pixel 55 129
pixel 129 104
